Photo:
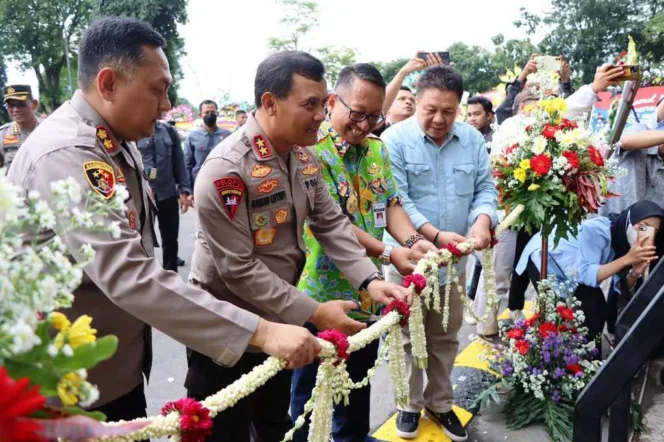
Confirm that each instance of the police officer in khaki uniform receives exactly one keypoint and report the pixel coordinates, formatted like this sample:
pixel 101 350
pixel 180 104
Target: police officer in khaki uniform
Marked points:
pixel 21 107
pixel 124 79
pixel 253 194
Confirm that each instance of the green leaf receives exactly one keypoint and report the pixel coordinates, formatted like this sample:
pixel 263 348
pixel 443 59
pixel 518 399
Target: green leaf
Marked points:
pixel 38 373
pixel 87 356
pixel 76 411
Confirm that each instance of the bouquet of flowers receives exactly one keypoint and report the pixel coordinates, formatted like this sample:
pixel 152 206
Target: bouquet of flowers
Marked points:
pixel 545 363
pixel 552 167
pixel 43 355
pixel 180 114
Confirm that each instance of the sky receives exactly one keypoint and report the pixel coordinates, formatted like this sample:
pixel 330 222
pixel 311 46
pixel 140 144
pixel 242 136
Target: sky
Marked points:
pixel 226 40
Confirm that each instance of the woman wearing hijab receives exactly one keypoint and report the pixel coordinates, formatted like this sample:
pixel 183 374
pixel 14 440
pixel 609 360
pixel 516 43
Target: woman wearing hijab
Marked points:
pixel 622 246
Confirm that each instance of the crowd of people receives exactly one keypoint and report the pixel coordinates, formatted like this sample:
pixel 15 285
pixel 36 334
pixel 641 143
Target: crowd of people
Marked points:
pixel 309 215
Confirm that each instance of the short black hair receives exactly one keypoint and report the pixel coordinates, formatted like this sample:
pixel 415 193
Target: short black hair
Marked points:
pixel 240 112
pixel 406 88
pixel 204 102
pixel 363 71
pixel 114 42
pixel 275 73
pixel 484 101
pixel 441 77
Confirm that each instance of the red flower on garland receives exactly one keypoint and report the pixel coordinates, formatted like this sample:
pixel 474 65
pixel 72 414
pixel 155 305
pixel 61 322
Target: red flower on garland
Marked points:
pixel 566 313
pixel 549 131
pixel 17 401
pixel 547 328
pixel 417 280
pixel 195 422
pixel 540 164
pixel 401 308
pixel 595 156
pixel 568 124
pixel 574 368
pixel 339 340
pixel 533 319
pixel 516 333
pixel 494 240
pixel 454 250
pixel 522 347
pixel 572 158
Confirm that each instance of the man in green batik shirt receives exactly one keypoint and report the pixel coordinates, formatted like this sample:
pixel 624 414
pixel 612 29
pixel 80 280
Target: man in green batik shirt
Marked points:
pixel 357 170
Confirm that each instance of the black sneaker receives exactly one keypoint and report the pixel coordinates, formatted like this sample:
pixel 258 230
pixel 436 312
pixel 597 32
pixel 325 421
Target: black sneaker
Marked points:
pixel 450 424
pixel 180 262
pixel 408 424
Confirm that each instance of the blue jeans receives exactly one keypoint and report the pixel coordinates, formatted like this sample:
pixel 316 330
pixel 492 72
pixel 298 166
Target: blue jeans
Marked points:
pixel 351 423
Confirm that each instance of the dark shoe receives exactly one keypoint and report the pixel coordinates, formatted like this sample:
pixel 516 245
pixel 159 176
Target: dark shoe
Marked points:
pixel 450 424
pixel 408 424
pixel 180 262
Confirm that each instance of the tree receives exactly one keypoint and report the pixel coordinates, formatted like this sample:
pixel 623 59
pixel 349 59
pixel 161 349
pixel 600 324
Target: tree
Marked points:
pixel 37 38
pixel 164 16
pixel 302 17
pixel 475 66
pixel 4 116
pixel 391 68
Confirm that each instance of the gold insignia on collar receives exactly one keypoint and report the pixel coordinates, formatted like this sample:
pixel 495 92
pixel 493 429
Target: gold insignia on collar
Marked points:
pixel 104 137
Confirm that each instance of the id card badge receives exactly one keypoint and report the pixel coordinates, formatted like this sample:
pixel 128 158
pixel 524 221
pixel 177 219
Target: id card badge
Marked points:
pixel 152 174
pixel 380 215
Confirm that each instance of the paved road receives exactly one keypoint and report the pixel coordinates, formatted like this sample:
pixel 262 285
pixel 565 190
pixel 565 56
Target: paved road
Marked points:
pixel 170 367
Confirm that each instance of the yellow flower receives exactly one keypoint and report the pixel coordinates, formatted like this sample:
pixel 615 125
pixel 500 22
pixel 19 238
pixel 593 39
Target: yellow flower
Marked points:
pixel 59 321
pixel 69 388
pixel 533 187
pixel 79 333
pixel 520 174
pixel 525 164
pixel 556 105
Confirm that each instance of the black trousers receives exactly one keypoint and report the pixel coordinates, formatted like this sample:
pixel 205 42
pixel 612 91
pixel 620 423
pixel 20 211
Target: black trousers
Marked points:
pixel 169 226
pixel 519 283
pixel 128 407
pixel 260 417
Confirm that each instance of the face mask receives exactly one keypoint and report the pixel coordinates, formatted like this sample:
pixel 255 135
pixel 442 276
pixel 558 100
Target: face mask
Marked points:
pixel 210 120
pixel 632 235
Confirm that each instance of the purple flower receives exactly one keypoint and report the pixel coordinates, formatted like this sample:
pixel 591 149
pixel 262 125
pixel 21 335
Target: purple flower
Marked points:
pixel 579 375
pixel 546 356
pixel 507 369
pixel 558 373
pixel 555 396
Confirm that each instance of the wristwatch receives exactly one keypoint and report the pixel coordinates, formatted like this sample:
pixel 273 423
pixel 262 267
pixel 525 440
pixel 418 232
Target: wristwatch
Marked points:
pixel 385 256
pixel 373 277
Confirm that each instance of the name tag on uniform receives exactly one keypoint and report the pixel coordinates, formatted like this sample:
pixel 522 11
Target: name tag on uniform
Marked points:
pixel 152 174
pixel 380 215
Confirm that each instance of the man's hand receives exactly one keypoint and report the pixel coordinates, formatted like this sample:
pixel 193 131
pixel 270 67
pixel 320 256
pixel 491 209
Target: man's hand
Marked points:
pixel 386 292
pixel 416 64
pixel 404 259
pixel 529 68
pixel 445 238
pixel 284 341
pixel 481 232
pixel 186 201
pixel 565 71
pixel 334 314
pixel 423 246
pixel 605 76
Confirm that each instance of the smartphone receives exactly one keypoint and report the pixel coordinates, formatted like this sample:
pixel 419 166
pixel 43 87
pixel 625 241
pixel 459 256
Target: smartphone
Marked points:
pixel 550 62
pixel 445 56
pixel 630 72
pixel 645 231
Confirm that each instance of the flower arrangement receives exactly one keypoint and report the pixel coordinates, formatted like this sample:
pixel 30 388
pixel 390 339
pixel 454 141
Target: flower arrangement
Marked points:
pixel 545 363
pixel 554 168
pixel 38 346
pixel 180 114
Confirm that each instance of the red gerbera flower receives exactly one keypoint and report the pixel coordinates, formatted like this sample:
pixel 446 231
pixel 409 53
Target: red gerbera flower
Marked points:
pixel 195 421
pixel 17 401
pixel 522 347
pixel 454 250
pixel 540 164
pixel 339 340
pixel 516 333
pixel 566 313
pixel 533 319
pixel 417 280
pixel 595 156
pixel 547 328
pixel 572 158
pixel 574 368
pixel 549 131
pixel 568 124
pixel 402 308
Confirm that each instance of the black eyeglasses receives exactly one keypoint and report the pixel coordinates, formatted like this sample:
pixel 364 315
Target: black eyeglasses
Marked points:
pixel 359 116
pixel 16 105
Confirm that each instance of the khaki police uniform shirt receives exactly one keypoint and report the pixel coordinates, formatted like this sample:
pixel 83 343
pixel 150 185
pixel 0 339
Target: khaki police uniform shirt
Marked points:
pixel 124 289
pixel 251 206
pixel 12 137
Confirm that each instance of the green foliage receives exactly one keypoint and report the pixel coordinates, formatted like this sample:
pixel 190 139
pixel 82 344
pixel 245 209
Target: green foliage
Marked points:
pixel 335 59
pixel 391 68
pixel 522 410
pixel 474 65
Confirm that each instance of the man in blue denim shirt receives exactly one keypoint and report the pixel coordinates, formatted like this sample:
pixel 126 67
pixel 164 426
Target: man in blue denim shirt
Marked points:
pixel 444 176
pixel 200 141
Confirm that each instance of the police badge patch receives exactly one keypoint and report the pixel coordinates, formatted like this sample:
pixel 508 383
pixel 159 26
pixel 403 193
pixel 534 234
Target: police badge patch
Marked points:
pixel 230 191
pixel 101 178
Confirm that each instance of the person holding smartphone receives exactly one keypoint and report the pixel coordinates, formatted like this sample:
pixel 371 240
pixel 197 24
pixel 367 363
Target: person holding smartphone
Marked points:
pixel 622 246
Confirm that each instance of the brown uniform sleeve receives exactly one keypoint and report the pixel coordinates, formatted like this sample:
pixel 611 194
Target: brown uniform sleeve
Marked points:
pixel 231 245
pixel 135 282
pixel 335 233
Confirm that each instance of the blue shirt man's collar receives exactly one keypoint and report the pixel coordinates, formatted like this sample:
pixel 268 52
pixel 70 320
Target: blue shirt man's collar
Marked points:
pixel 451 133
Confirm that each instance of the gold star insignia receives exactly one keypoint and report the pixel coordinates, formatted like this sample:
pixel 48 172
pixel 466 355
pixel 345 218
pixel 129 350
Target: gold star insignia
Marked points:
pixel 263 150
pixel 101 133
pixel 108 144
pixel 260 143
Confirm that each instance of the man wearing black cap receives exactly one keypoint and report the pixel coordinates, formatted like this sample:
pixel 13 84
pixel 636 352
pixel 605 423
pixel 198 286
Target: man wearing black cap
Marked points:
pixel 21 107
